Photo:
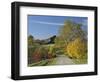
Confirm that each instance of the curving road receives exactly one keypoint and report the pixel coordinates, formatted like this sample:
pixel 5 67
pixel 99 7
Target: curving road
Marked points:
pixel 63 60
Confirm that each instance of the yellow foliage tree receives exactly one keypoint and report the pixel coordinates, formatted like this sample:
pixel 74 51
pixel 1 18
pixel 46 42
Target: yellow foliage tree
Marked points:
pixel 76 48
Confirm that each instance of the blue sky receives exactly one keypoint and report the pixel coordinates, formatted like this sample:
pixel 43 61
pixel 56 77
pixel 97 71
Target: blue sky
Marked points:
pixel 43 27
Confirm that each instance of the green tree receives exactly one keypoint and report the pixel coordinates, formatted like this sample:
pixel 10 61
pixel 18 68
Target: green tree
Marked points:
pixel 30 40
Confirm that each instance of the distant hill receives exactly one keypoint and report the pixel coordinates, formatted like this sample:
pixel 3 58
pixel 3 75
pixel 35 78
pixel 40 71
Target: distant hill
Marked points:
pixel 46 41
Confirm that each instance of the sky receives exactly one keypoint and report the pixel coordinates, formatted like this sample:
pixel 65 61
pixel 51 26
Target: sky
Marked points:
pixel 43 27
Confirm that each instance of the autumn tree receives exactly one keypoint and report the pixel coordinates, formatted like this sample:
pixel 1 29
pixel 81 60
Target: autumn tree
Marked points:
pixel 77 48
pixel 70 31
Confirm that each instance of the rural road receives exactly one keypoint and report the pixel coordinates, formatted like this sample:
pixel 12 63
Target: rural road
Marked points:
pixel 63 60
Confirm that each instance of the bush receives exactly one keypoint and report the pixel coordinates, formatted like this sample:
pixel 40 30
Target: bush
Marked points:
pixel 44 53
pixel 41 53
pixel 76 48
pixel 36 55
pixel 52 51
pixel 30 54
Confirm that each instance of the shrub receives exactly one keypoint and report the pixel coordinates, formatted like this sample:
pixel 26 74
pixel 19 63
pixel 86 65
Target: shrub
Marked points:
pixel 41 53
pixel 44 53
pixel 36 55
pixel 76 48
pixel 30 54
pixel 52 51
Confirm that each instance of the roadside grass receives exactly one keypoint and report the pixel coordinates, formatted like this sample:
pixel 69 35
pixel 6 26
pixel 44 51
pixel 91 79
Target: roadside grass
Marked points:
pixel 42 63
pixel 52 62
pixel 80 61
pixel 83 60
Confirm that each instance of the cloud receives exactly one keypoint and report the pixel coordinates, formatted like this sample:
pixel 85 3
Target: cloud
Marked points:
pixel 49 23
